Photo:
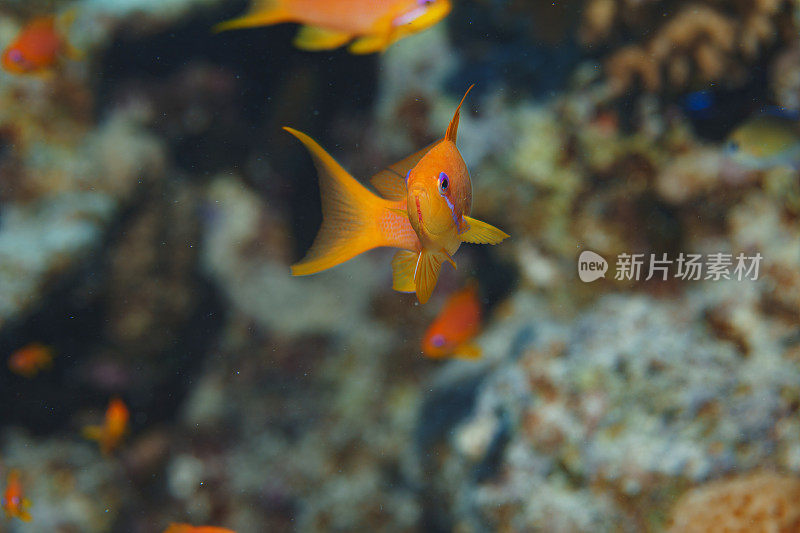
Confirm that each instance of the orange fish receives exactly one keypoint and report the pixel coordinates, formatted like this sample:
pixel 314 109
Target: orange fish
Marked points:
pixel 427 198
pixel 113 430
pixel 374 24
pixel 14 503
pixel 39 46
pixel 457 324
pixel 30 359
pixel 187 528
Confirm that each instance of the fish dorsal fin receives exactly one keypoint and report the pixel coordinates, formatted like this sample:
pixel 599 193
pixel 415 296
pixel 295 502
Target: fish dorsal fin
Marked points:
pixel 482 233
pixel 452 128
pixel 391 181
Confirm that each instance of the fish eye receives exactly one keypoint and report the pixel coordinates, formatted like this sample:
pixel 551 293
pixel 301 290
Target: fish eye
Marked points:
pixel 444 183
pixel 438 340
pixel 733 146
pixel 16 56
pixel 424 3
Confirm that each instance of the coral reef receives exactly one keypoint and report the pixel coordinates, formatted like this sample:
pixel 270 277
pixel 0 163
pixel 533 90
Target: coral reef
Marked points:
pixel 761 501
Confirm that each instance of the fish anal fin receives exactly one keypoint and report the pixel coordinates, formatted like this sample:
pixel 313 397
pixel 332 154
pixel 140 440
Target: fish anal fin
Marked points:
pixel 452 129
pixel 482 233
pixel 403 264
pixel 314 38
pixel 426 274
pixel 468 351
pixel 263 13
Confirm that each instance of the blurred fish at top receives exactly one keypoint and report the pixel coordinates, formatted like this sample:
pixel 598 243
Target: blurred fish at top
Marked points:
pixel 40 45
pixel 374 24
pixel 30 359
pixel 768 140
pixel 14 502
pixel 457 324
pixel 114 429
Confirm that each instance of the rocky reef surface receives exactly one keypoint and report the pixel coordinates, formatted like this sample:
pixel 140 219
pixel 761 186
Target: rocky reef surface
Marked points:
pixel 150 207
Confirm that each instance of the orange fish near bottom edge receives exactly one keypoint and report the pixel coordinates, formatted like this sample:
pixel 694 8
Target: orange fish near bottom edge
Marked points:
pixel 188 528
pixel 374 24
pixel 30 359
pixel 14 503
pixel 114 429
pixel 457 323
pixel 39 46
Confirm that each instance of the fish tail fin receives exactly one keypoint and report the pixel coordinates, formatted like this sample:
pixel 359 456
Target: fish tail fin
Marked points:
pixel 452 129
pixel 262 13
pixel 350 214
pixel 403 265
pixel 426 273
pixel 65 22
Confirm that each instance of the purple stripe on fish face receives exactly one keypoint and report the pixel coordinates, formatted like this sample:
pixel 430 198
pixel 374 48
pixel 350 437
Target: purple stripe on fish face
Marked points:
pixel 438 340
pixel 452 210
pixel 408 175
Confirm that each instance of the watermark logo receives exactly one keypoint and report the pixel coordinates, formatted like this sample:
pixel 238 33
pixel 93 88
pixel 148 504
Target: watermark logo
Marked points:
pixel 687 267
pixel 591 266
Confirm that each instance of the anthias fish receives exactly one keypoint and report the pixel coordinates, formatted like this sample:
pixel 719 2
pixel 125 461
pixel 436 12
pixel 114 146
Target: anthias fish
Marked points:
pixel 766 141
pixel 374 24
pixel 14 502
pixel 31 359
pixel 427 199
pixel 114 429
pixel 188 528
pixel 456 325
pixel 39 46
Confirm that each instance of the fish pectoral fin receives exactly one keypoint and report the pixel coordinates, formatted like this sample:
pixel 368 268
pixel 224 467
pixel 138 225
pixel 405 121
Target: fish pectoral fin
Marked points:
pixel 25 516
pixel 468 351
pixel 426 274
pixel 263 13
pixel 397 211
pixel 403 265
pixel 314 38
pixel 482 233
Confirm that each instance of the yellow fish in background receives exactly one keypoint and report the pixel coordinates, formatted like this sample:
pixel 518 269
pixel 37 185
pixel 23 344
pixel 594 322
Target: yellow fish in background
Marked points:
pixel 427 199
pixel 765 141
pixel 374 24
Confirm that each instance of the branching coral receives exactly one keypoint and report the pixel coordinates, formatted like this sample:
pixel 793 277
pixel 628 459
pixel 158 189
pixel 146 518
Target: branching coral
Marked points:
pixel 699 42
pixel 763 501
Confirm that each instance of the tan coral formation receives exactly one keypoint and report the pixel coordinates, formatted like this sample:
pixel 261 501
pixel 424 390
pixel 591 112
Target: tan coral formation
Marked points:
pixel 700 42
pixel 756 502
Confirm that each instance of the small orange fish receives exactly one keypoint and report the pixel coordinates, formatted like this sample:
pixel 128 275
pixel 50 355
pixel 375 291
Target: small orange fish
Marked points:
pixel 188 528
pixel 14 502
pixel 328 24
pixel 457 324
pixel 39 46
pixel 111 434
pixel 30 359
pixel 427 198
